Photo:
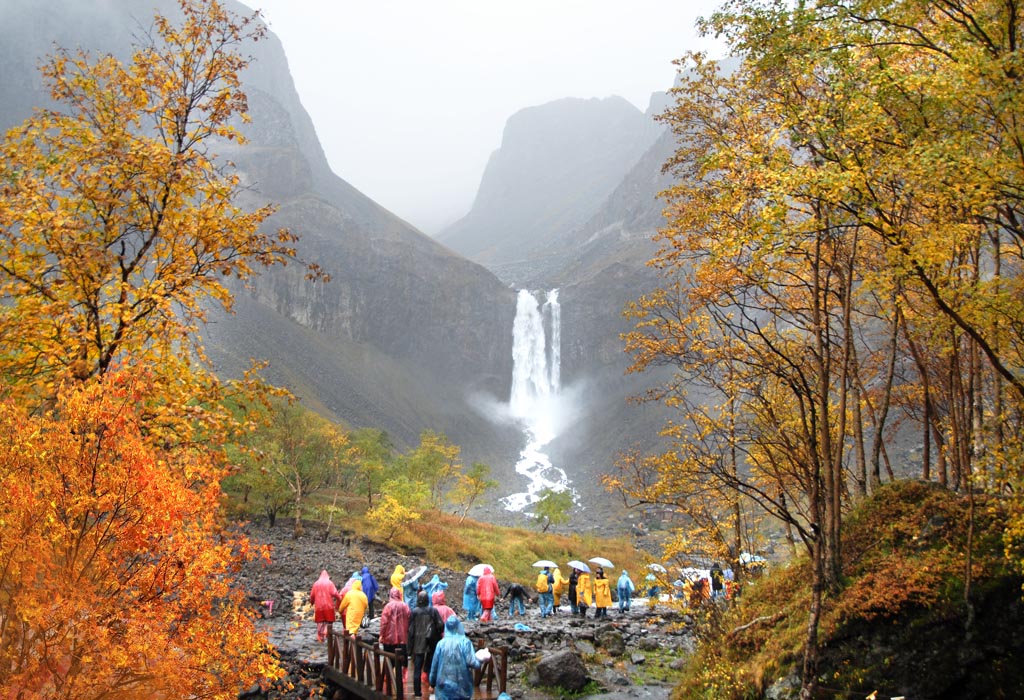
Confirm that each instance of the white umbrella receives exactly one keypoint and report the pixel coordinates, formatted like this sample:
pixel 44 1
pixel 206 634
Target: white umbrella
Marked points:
pixel 657 567
pixel 579 565
pixel 478 570
pixel 411 576
pixel 601 561
pixel 544 563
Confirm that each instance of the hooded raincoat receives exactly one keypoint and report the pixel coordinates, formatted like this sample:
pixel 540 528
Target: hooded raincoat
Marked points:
pixel 584 595
pixel 434 585
pixel 323 597
pixel 370 585
pixel 602 591
pixel 559 587
pixel 394 620
pixel 439 605
pixel 353 607
pixel 625 589
pixel 451 673
pixel 488 591
pixel 396 577
pixel 470 603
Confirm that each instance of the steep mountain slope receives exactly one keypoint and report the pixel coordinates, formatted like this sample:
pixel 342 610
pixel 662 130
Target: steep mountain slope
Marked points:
pixel 404 332
pixel 556 164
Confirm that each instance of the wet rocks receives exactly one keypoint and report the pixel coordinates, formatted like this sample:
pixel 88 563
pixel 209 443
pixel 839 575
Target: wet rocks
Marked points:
pixel 562 669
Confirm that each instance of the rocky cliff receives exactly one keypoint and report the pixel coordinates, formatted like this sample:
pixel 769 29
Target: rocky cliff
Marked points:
pixel 405 331
pixel 557 163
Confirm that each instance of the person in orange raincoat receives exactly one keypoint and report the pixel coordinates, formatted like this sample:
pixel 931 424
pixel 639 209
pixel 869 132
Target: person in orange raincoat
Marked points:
pixel 353 607
pixel 488 591
pixel 584 596
pixel 323 597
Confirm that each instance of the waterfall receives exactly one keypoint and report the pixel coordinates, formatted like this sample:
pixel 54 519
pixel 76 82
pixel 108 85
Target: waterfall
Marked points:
pixel 534 399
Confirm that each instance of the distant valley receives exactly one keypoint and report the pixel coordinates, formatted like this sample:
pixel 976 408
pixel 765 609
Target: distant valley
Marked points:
pixel 412 332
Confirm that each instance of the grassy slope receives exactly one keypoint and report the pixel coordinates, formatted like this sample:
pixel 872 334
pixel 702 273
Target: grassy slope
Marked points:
pixel 445 542
pixel 897 626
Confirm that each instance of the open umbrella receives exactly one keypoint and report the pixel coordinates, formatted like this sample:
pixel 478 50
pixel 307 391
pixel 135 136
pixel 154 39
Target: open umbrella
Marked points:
pixel 579 565
pixel 411 576
pixel 657 567
pixel 478 570
pixel 601 561
pixel 545 563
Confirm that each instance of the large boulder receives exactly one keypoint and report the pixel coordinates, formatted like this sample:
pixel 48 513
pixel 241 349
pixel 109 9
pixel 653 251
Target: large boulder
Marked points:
pixel 563 669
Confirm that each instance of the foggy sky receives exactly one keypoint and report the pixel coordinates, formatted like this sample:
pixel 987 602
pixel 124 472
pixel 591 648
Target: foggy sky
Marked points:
pixel 409 97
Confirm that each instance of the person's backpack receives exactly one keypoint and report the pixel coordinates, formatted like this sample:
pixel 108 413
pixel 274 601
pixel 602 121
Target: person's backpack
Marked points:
pixel 542 583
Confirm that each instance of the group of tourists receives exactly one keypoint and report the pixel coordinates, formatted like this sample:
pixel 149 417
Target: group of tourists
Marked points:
pixel 426 635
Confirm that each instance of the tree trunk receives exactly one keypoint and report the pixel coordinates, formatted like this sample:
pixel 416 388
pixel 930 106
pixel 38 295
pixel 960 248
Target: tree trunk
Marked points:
pixel 298 509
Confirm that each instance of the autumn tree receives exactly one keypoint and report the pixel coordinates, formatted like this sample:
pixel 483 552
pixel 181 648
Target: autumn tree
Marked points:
pixel 118 227
pixel 435 462
pixel 115 568
pixel 552 508
pixel 844 240
pixel 471 485
pixel 369 458
pixel 117 222
pixel 290 456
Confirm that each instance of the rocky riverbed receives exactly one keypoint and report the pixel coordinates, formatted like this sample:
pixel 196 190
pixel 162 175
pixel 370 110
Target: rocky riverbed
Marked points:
pixel 632 655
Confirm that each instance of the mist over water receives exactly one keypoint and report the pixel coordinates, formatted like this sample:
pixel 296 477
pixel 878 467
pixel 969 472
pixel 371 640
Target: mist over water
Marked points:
pixel 536 402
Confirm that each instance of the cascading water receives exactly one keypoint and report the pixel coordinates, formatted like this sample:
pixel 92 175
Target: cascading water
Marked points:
pixel 534 401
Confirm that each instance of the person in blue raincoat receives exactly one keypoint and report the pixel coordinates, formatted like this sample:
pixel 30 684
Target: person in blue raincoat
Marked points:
pixel 625 590
pixel 370 587
pixel 470 602
pixel 409 591
pixel 433 586
pixel 451 671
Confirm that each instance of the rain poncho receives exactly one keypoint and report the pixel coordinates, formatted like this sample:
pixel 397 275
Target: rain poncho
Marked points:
pixel 470 603
pixel 439 605
pixel 353 607
pixel 396 577
pixel 394 619
pixel 487 590
pixel 356 576
pixel 584 594
pixel 369 583
pixel 602 592
pixel 434 585
pixel 451 673
pixel 625 589
pixel 559 587
pixel 323 597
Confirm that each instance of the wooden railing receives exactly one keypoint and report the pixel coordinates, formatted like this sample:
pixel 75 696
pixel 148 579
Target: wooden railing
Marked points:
pixel 369 672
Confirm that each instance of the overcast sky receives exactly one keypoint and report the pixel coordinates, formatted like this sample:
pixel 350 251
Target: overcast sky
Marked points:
pixel 409 97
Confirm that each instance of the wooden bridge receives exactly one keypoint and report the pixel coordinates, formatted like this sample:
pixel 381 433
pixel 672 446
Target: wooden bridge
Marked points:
pixel 364 670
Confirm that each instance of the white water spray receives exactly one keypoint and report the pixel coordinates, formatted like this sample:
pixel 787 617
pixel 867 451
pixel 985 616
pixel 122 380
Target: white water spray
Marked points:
pixel 534 401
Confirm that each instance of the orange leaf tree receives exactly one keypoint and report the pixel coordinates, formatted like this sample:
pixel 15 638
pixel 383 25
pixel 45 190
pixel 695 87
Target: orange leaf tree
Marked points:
pixel 115 570
pixel 118 226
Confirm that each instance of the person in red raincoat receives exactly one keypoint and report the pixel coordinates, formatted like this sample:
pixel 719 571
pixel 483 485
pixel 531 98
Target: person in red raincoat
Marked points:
pixel 440 606
pixel 394 623
pixel 323 597
pixel 487 590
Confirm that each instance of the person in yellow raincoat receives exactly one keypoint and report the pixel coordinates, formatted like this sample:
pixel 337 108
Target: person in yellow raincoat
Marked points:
pixel 584 596
pixel 602 593
pixel 353 607
pixel 396 577
pixel 560 586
